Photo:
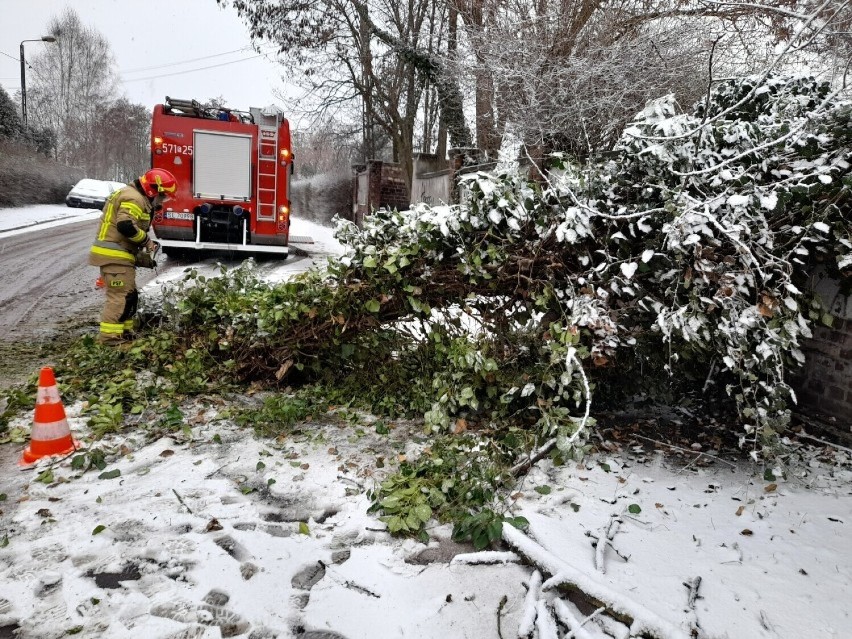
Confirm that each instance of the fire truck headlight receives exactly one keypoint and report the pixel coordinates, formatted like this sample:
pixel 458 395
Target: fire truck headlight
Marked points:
pixel 158 140
pixel 285 154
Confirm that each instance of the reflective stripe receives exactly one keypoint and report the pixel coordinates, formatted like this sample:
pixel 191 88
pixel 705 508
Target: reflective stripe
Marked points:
pixel 112 329
pixel 120 254
pixel 138 237
pixel 102 232
pixel 128 325
pixel 48 395
pixel 50 430
pixel 135 211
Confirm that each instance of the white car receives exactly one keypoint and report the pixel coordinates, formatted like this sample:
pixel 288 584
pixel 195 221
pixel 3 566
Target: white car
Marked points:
pixel 91 194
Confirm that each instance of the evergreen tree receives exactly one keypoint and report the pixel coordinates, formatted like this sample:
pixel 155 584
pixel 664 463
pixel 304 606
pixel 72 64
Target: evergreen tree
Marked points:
pixel 10 122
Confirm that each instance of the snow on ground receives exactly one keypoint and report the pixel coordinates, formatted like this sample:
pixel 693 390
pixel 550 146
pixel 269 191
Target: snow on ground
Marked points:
pixel 222 534
pixel 14 221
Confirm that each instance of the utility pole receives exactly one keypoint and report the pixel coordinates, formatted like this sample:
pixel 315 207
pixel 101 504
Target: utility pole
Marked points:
pixel 24 77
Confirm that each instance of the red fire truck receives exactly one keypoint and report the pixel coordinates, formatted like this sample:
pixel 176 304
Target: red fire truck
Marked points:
pixel 233 170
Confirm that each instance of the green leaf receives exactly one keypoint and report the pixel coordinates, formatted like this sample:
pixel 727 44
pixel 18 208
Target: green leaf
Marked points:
pixel 373 306
pixel 98 529
pixel 480 540
pixel 110 474
pixel 245 490
pixel 634 509
pixel 303 528
pixel 78 461
pixel 5 541
pixel 606 467
pixel 260 466
pixel 3 497
pixel 270 481
pixel 521 523
pixel 423 512
pixel 382 428
pixel 76 630
pixel 543 490
pixel 45 477
pixel 217 439
pixel 495 530
pixel 369 262
pixel 768 475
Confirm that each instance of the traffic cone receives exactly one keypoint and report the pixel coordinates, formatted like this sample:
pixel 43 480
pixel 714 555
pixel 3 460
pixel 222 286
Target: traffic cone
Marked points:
pixel 51 434
pixel 99 283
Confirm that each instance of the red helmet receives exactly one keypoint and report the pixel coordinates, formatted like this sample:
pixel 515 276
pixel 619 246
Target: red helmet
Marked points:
pixel 158 181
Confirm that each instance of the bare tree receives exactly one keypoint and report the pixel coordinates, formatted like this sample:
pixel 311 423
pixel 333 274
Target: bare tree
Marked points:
pixel 384 55
pixel 131 124
pixel 70 85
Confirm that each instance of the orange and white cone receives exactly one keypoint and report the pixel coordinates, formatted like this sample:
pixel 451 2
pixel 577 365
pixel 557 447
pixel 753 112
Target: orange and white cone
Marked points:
pixel 51 434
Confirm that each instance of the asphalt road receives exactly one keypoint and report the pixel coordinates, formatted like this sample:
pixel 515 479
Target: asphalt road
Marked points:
pixel 45 281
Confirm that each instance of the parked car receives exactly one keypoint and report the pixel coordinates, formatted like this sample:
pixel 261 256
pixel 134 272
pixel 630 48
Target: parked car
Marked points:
pixel 91 194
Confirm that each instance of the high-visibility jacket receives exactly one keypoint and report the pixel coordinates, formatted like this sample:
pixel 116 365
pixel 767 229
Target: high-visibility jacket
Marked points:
pixel 123 228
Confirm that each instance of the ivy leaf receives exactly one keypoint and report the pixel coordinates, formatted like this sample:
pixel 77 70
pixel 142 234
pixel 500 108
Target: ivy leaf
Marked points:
pixel 634 509
pixel 303 528
pixel 45 477
pixel 373 306
pixel 98 529
pixel 260 466
pixel 110 474
pixel 542 490
pixel 217 439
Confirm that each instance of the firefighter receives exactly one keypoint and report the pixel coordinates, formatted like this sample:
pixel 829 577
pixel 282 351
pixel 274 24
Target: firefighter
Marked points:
pixel 122 244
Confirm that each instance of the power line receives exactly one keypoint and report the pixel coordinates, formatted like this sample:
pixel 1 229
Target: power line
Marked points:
pixel 173 64
pixel 212 66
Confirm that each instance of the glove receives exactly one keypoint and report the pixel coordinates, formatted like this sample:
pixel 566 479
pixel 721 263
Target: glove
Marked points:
pixel 145 260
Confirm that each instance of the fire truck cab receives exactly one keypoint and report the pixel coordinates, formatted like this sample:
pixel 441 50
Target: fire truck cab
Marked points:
pixel 233 171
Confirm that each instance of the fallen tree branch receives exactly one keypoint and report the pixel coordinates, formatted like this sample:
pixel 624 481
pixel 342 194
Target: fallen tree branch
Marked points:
pixel 541 453
pixel 642 622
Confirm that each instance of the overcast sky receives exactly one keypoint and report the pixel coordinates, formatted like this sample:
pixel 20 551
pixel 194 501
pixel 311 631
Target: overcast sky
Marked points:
pixel 180 48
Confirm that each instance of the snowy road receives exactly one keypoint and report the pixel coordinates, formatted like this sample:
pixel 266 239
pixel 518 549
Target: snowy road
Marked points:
pixel 45 279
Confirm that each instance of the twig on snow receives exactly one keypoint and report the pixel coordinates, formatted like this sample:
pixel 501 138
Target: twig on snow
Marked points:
pixel 824 442
pixel 570 619
pixel 545 624
pixel 182 503
pixel 693 591
pixel 638 617
pixel 527 623
pixel 604 539
pixel 685 450
pixel 503 601
pixel 541 453
pixel 351 481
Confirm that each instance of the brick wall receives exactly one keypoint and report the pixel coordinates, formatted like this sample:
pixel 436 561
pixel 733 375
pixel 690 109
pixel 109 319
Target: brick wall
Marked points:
pixel 824 385
pixel 378 185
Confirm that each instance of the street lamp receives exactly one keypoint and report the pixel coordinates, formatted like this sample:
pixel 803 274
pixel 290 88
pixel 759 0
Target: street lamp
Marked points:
pixel 24 77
